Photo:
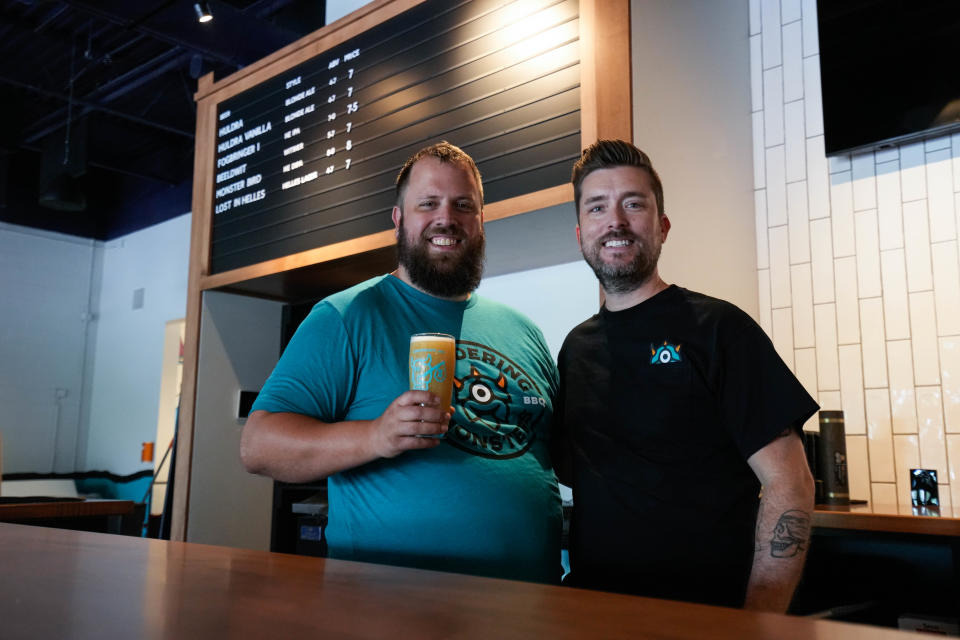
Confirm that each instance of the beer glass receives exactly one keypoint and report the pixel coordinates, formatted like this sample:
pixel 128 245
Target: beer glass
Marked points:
pixel 432 364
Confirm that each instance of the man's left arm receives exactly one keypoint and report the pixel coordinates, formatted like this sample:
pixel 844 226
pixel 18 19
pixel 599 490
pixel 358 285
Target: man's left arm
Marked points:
pixel 783 522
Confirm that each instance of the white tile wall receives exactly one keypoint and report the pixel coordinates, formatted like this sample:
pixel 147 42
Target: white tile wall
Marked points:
pixel 812 103
pixel 773 106
pixel 829 401
pixel 936 144
pixel 792 62
pixel 888 154
pixel 756 74
pixel 874 343
pixel 884 493
pixel 848 308
pixel 917 243
pixel 912 177
pixel 803 333
pixel 864 184
pixel 776 186
pixel 880 436
pixel 828 362
pixel 818 179
pixel 798 222
pixel 821 257
pixel 946 287
pixel 858 266
pixel 868 253
pixel 943 225
pixel 950 381
pixel 841 208
pixel 953 457
pixel 838 164
pixel 790 11
pixel 779 267
pixel 763 245
pixel 811 43
pixel 889 213
pixel 955 146
pixel 805 362
pixel 926 364
pixel 770 24
pixel 766 319
pixel 903 405
pixel 896 309
pixel 858 467
pixel 783 334
pixel 933 446
pixel 851 389
pixel 759 154
pixel 795 144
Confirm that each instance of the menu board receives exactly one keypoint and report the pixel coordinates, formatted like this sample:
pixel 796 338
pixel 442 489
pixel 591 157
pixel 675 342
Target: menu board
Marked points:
pixel 309 157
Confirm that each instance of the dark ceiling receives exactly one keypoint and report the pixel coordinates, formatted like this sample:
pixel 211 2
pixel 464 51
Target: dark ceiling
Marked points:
pixel 96 102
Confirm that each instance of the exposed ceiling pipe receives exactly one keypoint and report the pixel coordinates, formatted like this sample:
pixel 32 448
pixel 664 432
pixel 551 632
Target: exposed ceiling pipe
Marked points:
pixel 97 107
pixel 120 86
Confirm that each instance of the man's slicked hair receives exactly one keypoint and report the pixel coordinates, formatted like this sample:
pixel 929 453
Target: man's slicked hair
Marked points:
pixel 444 152
pixel 606 154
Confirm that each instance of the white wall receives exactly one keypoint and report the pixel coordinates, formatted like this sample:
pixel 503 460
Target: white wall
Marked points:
pixel 858 267
pixel 45 292
pixel 128 351
pixel 336 9
pixel 239 346
pixel 691 106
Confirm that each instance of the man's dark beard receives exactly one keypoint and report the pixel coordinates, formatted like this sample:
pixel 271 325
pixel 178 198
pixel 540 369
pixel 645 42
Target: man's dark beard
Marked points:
pixel 442 276
pixel 622 278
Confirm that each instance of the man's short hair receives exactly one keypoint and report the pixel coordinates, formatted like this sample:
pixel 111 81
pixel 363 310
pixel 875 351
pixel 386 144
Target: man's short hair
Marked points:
pixel 605 154
pixel 444 152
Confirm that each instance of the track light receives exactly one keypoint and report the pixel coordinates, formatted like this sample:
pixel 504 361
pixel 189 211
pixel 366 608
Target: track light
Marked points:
pixel 202 9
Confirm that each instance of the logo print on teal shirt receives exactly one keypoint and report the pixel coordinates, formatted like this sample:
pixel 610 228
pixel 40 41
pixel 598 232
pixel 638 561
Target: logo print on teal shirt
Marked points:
pixel 665 354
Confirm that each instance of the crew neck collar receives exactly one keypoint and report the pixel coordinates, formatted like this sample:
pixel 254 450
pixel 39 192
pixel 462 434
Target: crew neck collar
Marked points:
pixel 411 291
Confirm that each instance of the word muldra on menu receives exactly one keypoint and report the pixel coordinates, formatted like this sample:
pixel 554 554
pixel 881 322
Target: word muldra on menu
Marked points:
pixel 236 142
pixel 338 87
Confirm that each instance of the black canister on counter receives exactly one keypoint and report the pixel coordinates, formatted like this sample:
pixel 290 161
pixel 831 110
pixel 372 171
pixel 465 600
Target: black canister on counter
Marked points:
pixel 832 458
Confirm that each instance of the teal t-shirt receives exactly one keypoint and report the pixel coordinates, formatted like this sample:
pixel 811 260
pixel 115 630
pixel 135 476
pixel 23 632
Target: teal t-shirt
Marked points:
pixel 486 500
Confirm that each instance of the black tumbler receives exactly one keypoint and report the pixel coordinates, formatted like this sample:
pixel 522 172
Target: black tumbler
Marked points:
pixel 832 458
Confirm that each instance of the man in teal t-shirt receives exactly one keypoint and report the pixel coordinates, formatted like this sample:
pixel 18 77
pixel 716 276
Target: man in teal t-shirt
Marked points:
pixel 482 499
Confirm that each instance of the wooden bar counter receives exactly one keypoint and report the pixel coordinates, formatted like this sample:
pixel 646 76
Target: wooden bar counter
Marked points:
pixel 890 518
pixel 70 584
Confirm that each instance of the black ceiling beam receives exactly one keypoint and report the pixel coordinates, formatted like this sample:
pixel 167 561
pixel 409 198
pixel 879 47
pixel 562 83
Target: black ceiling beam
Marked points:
pixel 115 88
pixel 228 39
pixel 114 169
pixel 97 107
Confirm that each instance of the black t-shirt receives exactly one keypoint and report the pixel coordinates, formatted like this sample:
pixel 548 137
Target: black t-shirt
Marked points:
pixel 660 407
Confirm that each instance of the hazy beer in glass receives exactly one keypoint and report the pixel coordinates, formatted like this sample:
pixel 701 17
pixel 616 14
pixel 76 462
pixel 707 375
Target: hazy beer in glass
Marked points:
pixel 432 363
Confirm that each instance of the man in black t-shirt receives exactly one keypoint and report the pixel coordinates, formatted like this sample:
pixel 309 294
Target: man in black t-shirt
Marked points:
pixel 674 409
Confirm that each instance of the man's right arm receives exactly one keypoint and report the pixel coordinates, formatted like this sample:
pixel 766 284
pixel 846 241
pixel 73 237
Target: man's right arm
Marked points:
pixel 296 448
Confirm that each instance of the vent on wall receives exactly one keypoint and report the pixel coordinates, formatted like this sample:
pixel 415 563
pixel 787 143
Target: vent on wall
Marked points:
pixel 138 298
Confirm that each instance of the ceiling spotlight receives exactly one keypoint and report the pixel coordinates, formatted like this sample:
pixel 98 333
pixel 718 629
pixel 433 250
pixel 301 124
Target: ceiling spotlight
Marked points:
pixel 202 9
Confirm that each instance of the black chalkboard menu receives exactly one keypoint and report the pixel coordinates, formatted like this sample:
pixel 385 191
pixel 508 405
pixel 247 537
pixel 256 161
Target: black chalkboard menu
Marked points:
pixel 309 157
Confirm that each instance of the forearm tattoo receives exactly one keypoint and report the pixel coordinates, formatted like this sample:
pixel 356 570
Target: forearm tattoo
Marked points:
pixel 791 535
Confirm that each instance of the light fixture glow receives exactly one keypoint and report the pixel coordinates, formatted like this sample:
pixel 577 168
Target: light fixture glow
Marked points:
pixel 202 9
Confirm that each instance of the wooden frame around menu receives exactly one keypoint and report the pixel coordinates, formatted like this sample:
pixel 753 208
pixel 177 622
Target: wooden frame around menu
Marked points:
pixel 605 112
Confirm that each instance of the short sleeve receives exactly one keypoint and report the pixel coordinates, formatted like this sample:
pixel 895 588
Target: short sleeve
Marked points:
pixel 759 396
pixel 314 376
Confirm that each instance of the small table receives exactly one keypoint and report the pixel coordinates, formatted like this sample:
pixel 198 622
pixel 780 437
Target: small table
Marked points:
pixel 104 516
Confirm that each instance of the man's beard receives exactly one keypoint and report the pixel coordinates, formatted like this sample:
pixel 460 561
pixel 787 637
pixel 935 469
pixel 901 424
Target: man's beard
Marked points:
pixel 623 277
pixel 445 276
